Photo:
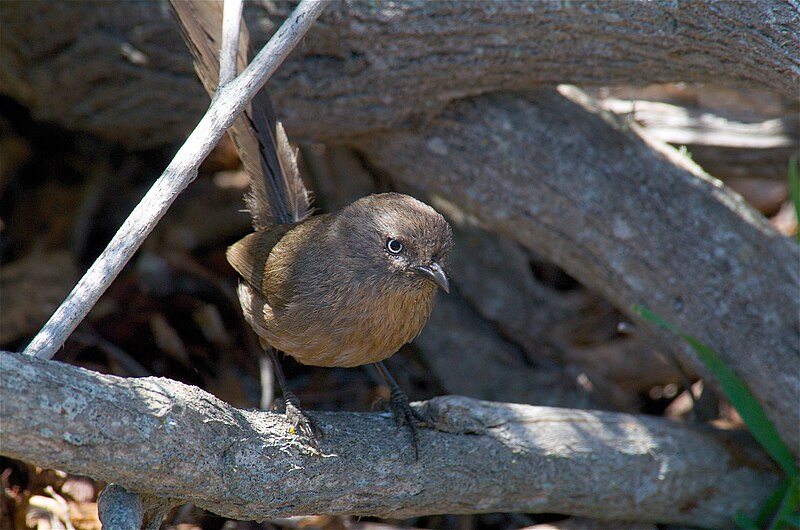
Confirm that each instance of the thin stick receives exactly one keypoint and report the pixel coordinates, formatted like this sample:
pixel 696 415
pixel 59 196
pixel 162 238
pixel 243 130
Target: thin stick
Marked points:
pixel 224 109
pixel 231 20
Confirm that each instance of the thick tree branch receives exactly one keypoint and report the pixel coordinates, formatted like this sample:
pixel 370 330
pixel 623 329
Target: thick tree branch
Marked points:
pixel 159 437
pixel 373 66
pixel 638 225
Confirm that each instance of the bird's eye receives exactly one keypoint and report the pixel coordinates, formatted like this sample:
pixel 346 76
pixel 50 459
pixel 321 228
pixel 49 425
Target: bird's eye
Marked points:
pixel 394 246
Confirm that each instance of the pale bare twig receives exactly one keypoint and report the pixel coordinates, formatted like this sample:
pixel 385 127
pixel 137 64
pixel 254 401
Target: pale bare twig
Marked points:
pixel 231 20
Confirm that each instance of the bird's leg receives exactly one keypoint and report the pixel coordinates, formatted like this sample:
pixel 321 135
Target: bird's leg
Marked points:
pixel 301 421
pixel 402 411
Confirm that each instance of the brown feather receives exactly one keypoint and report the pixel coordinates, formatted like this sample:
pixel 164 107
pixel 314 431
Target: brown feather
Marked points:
pixel 277 194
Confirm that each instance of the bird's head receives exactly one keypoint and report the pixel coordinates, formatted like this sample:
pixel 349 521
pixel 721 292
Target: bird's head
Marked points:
pixel 404 237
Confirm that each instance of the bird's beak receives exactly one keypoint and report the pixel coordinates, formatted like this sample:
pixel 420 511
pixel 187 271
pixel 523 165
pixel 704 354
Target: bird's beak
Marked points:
pixel 435 273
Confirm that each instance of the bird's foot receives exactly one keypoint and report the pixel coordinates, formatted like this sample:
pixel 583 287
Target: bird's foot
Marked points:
pixel 405 414
pixel 302 423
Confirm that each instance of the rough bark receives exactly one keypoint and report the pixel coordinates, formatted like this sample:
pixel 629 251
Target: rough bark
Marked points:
pixel 120 509
pixel 159 437
pixel 638 225
pixel 120 70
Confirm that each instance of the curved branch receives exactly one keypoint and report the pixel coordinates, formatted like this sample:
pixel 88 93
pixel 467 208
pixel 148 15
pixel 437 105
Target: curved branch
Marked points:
pixel 626 216
pixel 159 437
pixel 371 66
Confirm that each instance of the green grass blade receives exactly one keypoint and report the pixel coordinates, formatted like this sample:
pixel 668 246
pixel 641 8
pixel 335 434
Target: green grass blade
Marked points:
pixel 738 394
pixel 769 508
pixel 789 505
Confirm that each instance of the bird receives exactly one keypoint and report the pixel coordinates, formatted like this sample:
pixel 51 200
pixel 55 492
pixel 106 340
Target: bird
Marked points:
pixel 345 289
pixel 341 289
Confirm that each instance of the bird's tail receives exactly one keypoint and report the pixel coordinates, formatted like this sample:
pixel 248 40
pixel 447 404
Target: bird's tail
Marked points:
pixel 277 194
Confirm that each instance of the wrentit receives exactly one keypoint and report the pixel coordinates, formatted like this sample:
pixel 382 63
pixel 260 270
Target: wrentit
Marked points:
pixel 345 289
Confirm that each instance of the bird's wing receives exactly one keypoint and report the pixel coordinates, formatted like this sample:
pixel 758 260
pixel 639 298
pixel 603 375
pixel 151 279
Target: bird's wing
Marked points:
pixel 277 194
pixel 249 255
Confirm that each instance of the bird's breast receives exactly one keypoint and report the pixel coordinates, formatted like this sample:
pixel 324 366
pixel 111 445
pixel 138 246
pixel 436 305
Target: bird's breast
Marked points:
pixel 350 329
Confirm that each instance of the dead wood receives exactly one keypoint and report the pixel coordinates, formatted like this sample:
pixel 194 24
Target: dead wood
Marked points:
pixel 155 436
pixel 120 69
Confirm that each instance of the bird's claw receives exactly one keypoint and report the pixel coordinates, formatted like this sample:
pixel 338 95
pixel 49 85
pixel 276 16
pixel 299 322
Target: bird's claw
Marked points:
pixel 302 423
pixel 405 414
